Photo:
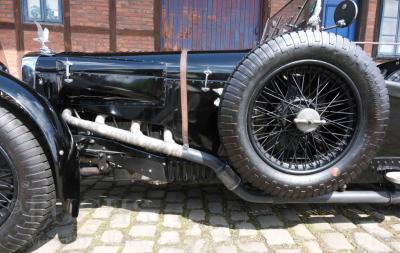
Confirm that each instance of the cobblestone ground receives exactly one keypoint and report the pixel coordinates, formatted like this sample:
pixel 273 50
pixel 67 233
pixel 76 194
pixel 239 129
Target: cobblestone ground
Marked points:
pixel 124 217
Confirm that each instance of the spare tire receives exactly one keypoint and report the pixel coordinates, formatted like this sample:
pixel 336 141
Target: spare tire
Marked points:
pixel 303 114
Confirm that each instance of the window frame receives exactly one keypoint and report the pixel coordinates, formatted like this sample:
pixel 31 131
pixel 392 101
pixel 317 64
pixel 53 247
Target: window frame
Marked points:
pixel 43 20
pixel 380 16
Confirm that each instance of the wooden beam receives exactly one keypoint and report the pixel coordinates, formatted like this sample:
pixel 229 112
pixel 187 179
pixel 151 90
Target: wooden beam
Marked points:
pixel 67 26
pixel 378 20
pixel 19 34
pixel 81 29
pixel 3 58
pixel 112 16
pixel 130 32
pixel 157 16
pixel 266 9
pixel 7 25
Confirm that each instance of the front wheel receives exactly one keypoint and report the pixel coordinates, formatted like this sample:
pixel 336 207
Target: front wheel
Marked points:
pixel 27 192
pixel 303 114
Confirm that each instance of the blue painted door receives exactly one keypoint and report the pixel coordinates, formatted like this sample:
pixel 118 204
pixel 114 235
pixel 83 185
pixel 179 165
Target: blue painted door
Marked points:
pixel 327 19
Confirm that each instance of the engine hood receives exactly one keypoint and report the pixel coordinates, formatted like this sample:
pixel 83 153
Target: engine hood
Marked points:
pixel 122 76
pixel 221 63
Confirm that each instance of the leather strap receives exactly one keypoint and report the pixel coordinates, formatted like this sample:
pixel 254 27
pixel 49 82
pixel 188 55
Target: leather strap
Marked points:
pixel 184 102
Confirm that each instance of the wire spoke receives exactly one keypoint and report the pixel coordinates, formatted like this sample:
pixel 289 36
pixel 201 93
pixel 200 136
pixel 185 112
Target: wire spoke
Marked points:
pixel 282 100
pixel 7 188
pixel 328 121
pixel 298 87
pixel 272 113
pixel 337 95
pixel 289 146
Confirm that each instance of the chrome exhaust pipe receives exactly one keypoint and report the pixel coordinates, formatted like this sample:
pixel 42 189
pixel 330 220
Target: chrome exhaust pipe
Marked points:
pixel 223 171
pixel 125 136
pixel 134 137
pixel 346 197
pixel 89 171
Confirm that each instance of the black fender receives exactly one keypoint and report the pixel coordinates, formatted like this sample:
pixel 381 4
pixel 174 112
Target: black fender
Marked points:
pixel 387 69
pixel 53 133
pixel 3 67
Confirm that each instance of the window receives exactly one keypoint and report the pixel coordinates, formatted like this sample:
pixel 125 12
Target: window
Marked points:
pixel 48 11
pixel 389 30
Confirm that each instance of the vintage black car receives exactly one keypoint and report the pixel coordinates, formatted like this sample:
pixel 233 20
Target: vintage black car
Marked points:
pixel 301 118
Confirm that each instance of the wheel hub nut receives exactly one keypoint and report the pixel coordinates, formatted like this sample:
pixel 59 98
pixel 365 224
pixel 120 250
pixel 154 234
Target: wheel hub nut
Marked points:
pixel 308 120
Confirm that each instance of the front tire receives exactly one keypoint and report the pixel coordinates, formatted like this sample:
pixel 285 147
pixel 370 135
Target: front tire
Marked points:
pixel 279 93
pixel 27 191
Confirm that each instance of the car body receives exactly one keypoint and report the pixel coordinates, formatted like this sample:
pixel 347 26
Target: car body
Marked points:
pixel 149 93
pixel 304 117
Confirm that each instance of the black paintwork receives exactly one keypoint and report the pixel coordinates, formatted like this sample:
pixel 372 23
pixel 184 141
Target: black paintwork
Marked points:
pixel 134 86
pixel 145 87
pixel 391 146
pixel 52 131
pixel 132 158
pixel 142 87
pixel 3 68
pixel 389 67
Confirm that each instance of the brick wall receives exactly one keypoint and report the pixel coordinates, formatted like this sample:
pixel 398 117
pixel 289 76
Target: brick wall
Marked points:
pixel 132 43
pixel 7 36
pixel 84 42
pixel 371 24
pixel 6 11
pixel 94 13
pixel 276 5
pixel 136 15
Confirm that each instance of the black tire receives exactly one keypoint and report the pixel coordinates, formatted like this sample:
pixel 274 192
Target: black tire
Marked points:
pixel 347 59
pixel 33 196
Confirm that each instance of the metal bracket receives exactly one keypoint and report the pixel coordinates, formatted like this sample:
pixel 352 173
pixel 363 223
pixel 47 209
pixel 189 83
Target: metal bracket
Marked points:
pixel 206 72
pixel 68 74
pixel 386 163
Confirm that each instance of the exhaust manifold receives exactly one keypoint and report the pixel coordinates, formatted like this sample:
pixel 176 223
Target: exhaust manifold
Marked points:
pixel 223 171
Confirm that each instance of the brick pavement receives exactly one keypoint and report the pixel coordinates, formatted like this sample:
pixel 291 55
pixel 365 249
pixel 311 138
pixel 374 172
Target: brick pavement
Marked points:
pixel 124 217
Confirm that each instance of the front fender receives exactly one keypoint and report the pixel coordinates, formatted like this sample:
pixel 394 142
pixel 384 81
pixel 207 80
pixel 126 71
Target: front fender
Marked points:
pixel 53 133
pixel 3 68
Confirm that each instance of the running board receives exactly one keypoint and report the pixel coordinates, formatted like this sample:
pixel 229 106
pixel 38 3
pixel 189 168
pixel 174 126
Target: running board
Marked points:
pixel 346 197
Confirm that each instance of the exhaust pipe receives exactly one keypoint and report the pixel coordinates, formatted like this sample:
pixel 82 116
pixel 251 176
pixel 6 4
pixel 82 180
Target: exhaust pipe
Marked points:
pixel 89 171
pixel 223 171
pixel 346 197
pixel 134 137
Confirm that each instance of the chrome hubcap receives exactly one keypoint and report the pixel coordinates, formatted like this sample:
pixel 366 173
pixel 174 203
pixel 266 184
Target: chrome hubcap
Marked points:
pixel 308 120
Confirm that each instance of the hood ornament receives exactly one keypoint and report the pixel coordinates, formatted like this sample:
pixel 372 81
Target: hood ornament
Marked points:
pixel 43 38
